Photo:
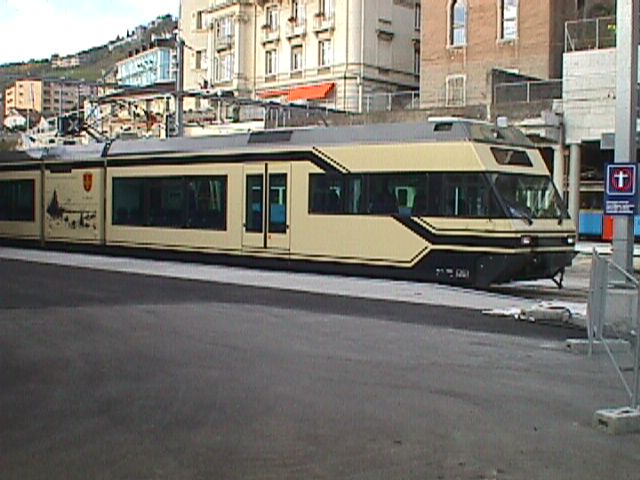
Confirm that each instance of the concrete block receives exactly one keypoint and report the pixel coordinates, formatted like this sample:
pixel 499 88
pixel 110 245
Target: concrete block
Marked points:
pixel 581 346
pixel 548 313
pixel 617 421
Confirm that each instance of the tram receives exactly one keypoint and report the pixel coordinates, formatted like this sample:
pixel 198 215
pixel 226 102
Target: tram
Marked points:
pixel 450 201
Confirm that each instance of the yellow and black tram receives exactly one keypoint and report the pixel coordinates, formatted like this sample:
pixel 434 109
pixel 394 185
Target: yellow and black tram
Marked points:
pixel 449 201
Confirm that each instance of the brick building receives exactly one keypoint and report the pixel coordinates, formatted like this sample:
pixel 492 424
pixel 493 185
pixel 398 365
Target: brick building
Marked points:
pixel 465 42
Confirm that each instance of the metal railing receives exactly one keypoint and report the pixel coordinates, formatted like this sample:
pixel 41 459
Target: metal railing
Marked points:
pixel 590 34
pixel 388 102
pixel 527 92
pixel 609 322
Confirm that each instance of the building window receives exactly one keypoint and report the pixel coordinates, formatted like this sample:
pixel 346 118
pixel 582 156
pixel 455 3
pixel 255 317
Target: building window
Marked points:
pixel 199 22
pixel 223 68
pixel 508 19
pixel 297 12
pixel 417 13
pixel 224 30
pixel 296 58
pixel 325 9
pixel 324 53
pixel 455 91
pixel 200 60
pixel 271 23
pixel 416 60
pixel 458 23
pixel 270 62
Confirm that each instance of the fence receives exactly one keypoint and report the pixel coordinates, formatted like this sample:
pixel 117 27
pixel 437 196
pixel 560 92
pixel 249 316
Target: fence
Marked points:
pixel 590 34
pixel 527 92
pixel 612 320
pixel 388 102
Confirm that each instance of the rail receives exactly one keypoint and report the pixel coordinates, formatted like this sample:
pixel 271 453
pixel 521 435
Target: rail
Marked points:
pixel 590 34
pixel 527 92
pixel 606 325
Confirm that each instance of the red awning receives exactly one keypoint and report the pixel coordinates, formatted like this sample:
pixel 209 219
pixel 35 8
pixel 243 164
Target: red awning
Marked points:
pixel 273 93
pixel 310 92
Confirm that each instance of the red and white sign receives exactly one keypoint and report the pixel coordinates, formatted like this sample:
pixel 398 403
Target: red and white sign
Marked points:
pixel 621 179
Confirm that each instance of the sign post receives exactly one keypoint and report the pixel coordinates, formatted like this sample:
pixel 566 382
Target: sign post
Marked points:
pixel 626 121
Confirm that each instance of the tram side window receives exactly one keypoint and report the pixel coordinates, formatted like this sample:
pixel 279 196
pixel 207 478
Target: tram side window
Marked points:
pixel 17 201
pixel 466 195
pixel 207 202
pixel 175 202
pixel 355 194
pixel 166 202
pixel 326 193
pixel 376 194
pixel 128 201
pixel 399 193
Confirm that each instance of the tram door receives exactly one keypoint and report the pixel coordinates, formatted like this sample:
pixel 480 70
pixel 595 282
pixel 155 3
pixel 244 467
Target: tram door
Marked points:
pixel 266 206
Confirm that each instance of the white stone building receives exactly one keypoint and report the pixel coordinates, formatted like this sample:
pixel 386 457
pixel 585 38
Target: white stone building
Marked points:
pixel 332 53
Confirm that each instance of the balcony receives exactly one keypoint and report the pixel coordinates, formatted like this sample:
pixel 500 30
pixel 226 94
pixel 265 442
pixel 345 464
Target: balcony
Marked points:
pixel 384 29
pixel 224 42
pixel 323 23
pixel 296 28
pixel 270 33
pixel 527 92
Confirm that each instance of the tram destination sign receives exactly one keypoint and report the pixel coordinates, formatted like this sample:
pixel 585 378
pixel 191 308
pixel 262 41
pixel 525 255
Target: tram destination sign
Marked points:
pixel 621 189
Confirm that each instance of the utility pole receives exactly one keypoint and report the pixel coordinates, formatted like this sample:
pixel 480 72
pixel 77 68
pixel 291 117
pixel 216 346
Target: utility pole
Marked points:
pixel 180 86
pixel 180 74
pixel 626 117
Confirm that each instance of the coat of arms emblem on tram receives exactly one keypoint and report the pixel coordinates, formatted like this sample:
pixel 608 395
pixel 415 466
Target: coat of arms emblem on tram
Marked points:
pixel 87 181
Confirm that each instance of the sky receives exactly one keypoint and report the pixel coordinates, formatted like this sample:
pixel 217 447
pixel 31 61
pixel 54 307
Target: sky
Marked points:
pixel 37 29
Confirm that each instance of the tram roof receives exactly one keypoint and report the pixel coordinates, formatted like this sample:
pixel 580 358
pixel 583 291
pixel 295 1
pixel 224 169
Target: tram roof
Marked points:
pixel 446 130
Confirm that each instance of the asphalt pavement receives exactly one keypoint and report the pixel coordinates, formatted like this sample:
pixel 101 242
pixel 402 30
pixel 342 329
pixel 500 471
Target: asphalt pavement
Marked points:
pixel 110 374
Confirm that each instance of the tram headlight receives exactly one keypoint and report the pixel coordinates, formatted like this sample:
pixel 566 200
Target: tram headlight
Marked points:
pixel 571 240
pixel 526 240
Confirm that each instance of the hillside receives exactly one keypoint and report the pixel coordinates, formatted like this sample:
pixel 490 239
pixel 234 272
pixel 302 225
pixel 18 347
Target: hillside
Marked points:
pixel 100 60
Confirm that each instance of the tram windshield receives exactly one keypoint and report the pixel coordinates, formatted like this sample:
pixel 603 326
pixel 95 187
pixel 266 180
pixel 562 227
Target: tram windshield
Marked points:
pixel 529 196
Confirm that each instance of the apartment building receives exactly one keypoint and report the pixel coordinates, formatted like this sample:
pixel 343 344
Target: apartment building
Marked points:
pixel 219 40
pixel 24 95
pixel 322 52
pixel 464 42
pixel 47 97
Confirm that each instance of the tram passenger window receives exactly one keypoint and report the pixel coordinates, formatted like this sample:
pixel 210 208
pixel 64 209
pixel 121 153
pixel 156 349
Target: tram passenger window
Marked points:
pixel 355 201
pixel 467 195
pixel 326 193
pixel 383 195
pixel 398 193
pixel 206 202
pixel 166 202
pixel 254 203
pixel 17 200
pixel 174 202
pixel 278 203
pixel 128 201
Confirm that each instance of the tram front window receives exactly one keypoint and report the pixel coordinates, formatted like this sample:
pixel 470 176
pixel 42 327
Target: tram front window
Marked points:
pixel 528 196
